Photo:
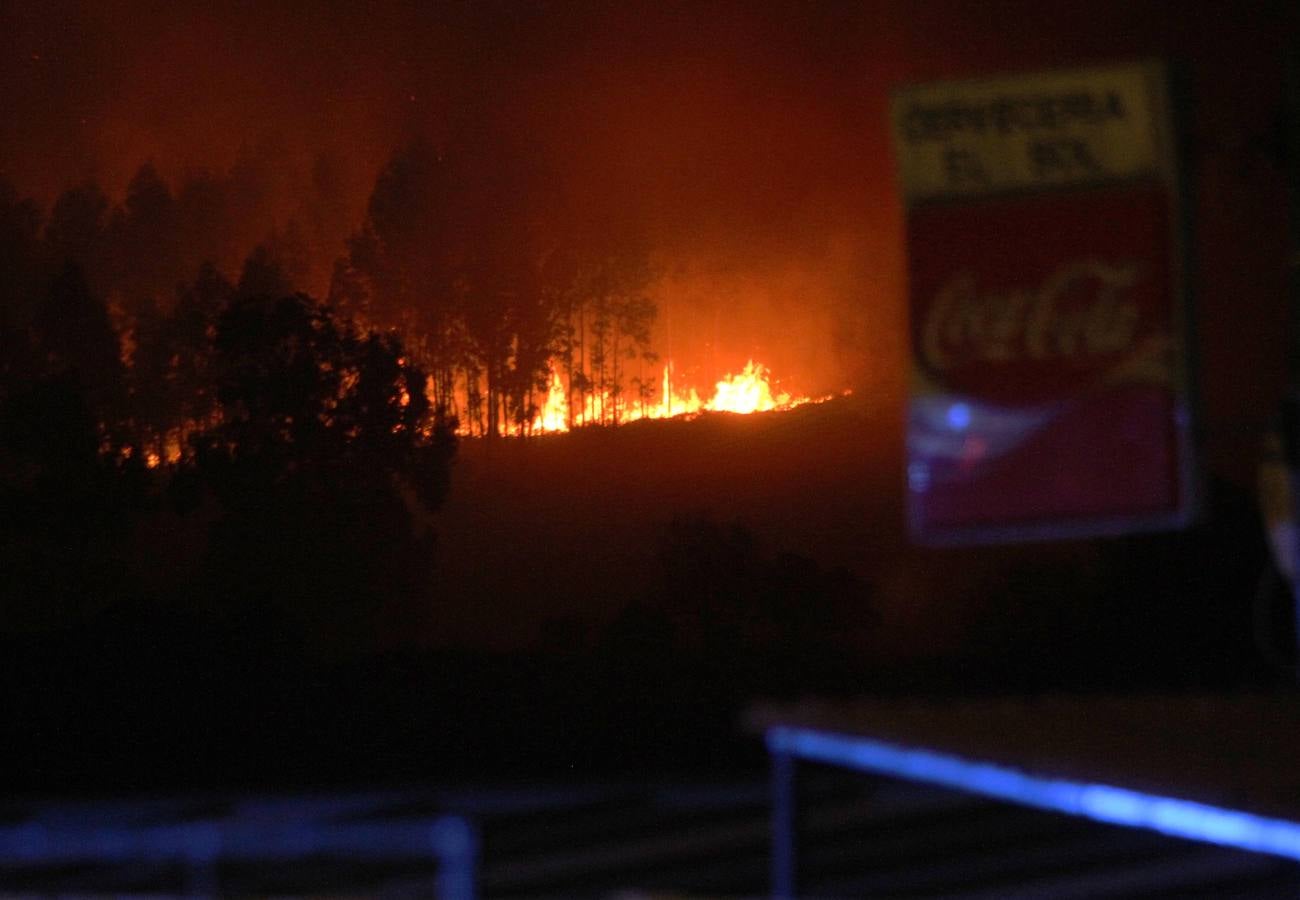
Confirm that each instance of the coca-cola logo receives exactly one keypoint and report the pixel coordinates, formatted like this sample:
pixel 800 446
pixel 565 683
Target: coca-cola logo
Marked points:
pixel 1083 317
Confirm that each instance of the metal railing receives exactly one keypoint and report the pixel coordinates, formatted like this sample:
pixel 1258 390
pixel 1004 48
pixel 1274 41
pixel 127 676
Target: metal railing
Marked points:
pixel 202 846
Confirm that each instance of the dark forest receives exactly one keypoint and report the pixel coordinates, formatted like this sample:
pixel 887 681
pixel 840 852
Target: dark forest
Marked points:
pixel 288 297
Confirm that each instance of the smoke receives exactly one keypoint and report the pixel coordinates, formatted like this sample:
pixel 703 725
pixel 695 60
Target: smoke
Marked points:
pixel 747 144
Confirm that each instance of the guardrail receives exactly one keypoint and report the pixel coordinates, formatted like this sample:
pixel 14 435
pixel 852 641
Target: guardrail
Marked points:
pixel 203 845
pixel 1099 802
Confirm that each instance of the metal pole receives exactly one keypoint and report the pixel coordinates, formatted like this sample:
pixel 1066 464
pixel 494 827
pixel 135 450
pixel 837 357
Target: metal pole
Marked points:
pixel 783 822
pixel 456 846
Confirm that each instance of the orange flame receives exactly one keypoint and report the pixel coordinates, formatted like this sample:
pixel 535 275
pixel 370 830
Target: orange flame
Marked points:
pixel 749 391
pixel 555 412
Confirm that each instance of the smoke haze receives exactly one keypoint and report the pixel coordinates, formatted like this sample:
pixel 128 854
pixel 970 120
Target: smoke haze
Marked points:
pixel 745 143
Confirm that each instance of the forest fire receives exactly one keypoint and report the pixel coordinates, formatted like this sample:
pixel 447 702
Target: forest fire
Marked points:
pixel 749 391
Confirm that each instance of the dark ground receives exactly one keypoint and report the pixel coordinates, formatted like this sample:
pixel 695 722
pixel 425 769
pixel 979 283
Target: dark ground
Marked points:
pixel 609 601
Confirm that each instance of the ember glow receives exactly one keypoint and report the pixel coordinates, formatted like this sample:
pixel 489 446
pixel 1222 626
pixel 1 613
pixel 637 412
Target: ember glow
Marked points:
pixel 749 391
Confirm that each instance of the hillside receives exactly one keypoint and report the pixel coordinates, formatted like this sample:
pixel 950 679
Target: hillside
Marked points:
pixel 563 529
pixel 546 541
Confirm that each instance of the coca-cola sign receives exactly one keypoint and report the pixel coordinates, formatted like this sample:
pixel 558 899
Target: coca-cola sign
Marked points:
pixel 1083 313
pixel 1020 321
pixel 1046 325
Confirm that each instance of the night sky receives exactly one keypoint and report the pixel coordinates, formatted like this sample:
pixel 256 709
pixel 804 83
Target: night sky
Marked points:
pixel 745 142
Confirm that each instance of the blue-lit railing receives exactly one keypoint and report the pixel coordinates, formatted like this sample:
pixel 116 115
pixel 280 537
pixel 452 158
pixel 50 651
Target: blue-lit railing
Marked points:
pixel 1103 803
pixel 201 846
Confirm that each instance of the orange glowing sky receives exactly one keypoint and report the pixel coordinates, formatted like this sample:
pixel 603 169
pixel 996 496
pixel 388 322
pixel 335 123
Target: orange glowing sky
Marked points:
pixel 745 141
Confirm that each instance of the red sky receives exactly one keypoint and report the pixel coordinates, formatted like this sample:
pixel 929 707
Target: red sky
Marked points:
pixel 747 140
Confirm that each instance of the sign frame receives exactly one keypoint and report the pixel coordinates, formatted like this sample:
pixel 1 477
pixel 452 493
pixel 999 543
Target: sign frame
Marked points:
pixel 974 143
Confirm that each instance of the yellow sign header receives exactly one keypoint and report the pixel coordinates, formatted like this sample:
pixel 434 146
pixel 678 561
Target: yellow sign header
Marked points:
pixel 1043 130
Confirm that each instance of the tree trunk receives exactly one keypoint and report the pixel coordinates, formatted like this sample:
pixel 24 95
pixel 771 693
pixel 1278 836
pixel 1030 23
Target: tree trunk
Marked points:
pixel 494 417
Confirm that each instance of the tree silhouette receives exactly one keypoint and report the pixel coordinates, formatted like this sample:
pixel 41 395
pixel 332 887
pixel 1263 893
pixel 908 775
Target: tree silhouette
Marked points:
pixel 264 274
pixel 204 218
pixel 145 248
pixel 401 265
pixel 614 321
pixel 77 233
pixel 325 462
pixel 22 259
pixel 65 489
pixel 64 506
pixel 75 336
pixel 193 329
pixel 171 376
pixel 456 251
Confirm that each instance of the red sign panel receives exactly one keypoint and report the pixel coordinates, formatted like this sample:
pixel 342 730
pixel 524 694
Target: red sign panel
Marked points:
pixel 1047 395
pixel 1048 363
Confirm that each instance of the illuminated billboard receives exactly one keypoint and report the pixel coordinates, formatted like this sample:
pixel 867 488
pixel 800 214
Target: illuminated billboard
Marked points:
pixel 1049 382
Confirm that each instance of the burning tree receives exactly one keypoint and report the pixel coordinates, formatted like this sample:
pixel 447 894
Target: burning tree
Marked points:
pixel 614 317
pixel 400 270
pixel 463 262
pixel 172 377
